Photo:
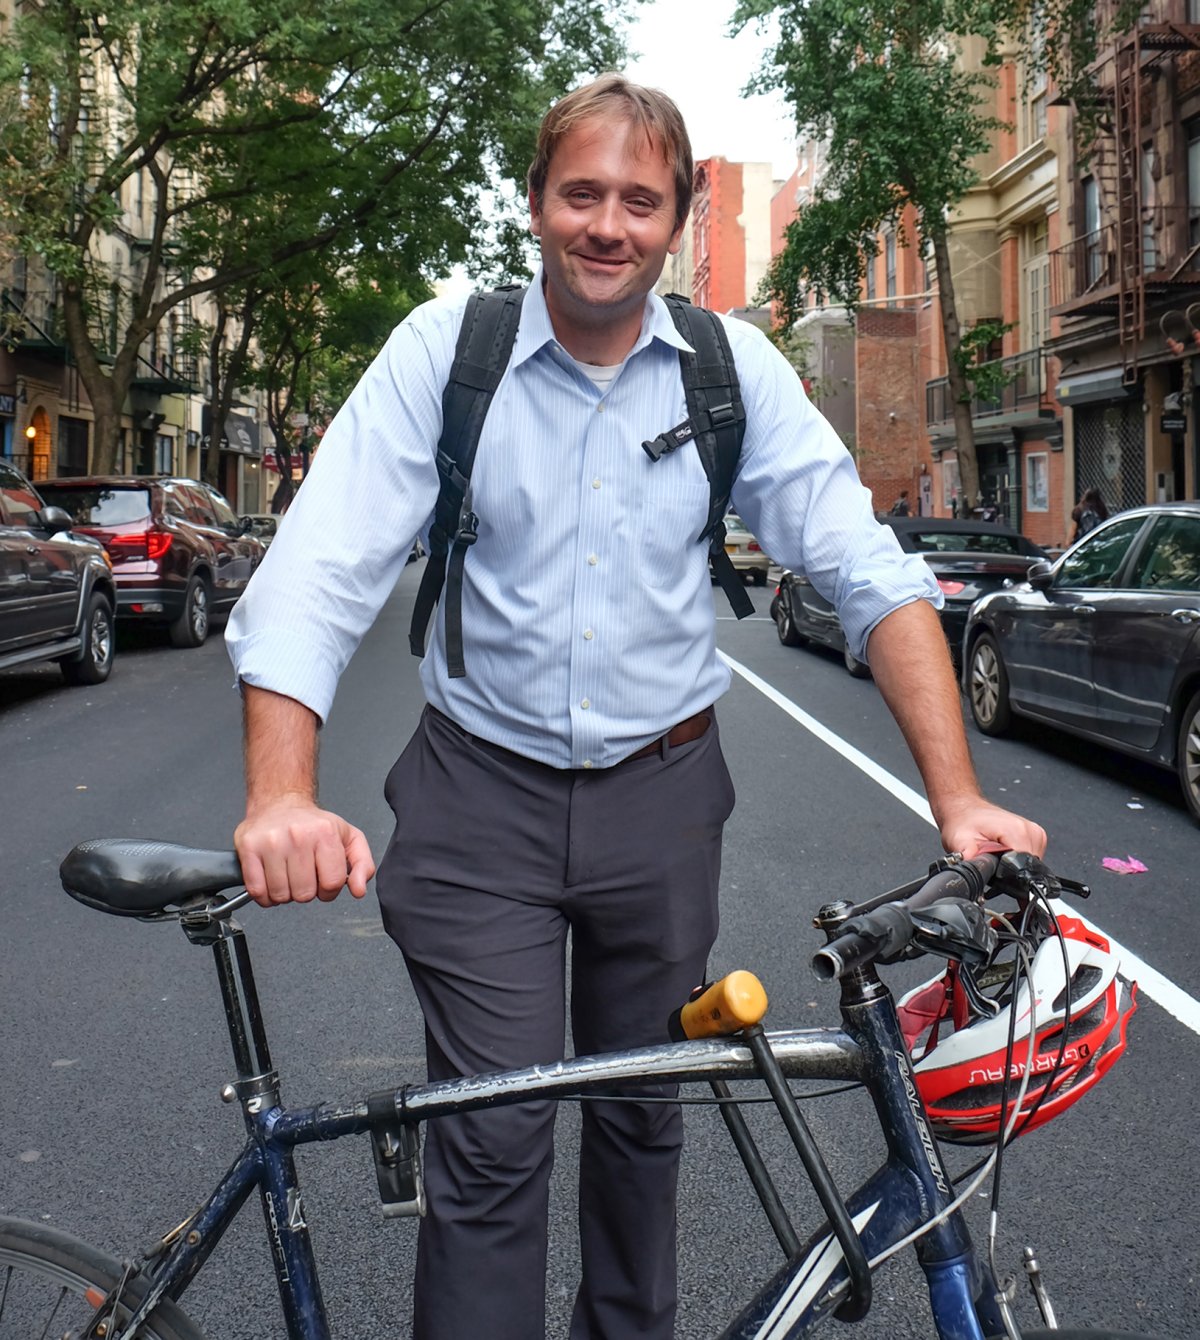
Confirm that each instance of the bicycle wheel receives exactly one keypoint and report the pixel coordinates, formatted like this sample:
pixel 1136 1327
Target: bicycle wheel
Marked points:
pixel 51 1284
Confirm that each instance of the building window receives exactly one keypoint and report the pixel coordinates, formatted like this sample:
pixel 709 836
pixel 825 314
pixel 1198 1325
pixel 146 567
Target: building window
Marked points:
pixel 1193 11
pixel 871 278
pixel 1035 305
pixel 1193 171
pixel 1093 252
pixel 1149 200
pixel 163 458
pixel 890 267
pixel 1037 482
pixel 72 446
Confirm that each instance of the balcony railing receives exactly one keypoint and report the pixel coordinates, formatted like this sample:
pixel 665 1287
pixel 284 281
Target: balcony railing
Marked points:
pixel 1084 272
pixel 1021 393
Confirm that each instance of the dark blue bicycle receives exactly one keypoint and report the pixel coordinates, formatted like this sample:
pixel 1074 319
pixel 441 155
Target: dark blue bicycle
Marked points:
pixel 1029 1013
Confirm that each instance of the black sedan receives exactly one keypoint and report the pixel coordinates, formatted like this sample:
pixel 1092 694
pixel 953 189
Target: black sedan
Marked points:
pixel 968 559
pixel 1104 643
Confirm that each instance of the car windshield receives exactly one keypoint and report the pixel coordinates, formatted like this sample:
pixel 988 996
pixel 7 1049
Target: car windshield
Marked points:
pixel 734 525
pixel 97 506
pixel 955 542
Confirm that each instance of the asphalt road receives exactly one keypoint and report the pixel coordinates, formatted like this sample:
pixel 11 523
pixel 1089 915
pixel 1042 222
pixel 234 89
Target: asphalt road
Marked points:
pixel 114 1052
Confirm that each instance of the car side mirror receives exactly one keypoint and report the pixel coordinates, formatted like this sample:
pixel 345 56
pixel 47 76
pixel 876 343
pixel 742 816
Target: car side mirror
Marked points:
pixel 54 519
pixel 246 525
pixel 1040 574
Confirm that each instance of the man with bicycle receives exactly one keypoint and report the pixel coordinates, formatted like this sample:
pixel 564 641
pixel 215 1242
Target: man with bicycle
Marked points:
pixel 573 778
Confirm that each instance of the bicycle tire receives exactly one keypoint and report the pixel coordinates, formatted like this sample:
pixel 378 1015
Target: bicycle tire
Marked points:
pixel 49 1278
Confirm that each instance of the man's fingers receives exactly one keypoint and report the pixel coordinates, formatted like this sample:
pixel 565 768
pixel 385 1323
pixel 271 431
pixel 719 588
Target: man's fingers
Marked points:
pixel 359 859
pixel 254 878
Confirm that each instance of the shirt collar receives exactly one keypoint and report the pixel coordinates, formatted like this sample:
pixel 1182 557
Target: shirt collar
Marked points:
pixel 536 329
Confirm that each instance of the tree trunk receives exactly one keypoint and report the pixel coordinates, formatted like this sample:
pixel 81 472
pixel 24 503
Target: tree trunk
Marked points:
pixel 107 391
pixel 960 390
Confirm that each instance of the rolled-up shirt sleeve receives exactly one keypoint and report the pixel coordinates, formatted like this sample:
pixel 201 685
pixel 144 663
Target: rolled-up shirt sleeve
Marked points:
pixel 798 489
pixel 346 537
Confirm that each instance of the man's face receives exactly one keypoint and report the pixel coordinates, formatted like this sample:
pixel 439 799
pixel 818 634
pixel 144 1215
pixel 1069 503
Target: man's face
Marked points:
pixel 606 221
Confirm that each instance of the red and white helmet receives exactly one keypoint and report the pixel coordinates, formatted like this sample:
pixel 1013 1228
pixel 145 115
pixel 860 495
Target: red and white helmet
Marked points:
pixel 959 1052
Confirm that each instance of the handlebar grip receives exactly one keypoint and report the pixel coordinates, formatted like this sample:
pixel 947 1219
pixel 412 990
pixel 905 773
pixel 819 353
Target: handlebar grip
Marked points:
pixel 842 955
pixel 735 1002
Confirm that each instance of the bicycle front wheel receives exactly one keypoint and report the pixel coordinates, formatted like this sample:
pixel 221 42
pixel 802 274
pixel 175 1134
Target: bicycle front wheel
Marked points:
pixel 51 1284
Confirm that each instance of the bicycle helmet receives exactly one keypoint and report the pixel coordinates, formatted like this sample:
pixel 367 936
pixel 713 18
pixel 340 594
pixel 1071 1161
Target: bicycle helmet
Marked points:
pixel 959 1051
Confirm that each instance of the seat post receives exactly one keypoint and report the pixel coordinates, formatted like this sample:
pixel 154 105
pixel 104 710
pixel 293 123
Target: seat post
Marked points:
pixel 243 1015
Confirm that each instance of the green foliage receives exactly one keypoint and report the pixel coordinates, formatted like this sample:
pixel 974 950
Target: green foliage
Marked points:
pixel 258 133
pixel 985 376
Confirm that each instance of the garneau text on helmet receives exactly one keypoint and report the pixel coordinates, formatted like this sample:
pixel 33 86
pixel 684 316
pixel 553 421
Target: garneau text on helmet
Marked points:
pixel 1041 1064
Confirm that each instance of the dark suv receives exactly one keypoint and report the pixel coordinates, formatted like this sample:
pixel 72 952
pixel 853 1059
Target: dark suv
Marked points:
pixel 56 589
pixel 180 556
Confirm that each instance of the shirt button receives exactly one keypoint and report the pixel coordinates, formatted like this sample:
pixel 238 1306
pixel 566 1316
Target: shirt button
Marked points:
pixel 592 560
pixel 587 762
pixel 588 635
pixel 600 408
pixel 596 482
pixel 586 704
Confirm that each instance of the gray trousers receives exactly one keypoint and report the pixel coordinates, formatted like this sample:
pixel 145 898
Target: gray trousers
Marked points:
pixel 493 859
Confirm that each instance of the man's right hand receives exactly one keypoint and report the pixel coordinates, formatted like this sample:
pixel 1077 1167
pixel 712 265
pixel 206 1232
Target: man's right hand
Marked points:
pixel 292 851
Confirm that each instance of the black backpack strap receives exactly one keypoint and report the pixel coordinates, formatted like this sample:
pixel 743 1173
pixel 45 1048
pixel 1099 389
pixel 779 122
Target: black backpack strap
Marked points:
pixel 485 342
pixel 717 423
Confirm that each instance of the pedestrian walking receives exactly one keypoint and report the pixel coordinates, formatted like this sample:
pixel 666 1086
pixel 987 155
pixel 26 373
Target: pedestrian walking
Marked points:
pixel 1088 513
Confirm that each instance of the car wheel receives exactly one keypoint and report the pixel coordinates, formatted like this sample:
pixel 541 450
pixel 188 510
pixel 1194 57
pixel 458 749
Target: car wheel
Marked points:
pixel 859 669
pixel 987 685
pixel 784 624
pixel 93 664
pixel 760 578
pixel 191 628
pixel 1187 756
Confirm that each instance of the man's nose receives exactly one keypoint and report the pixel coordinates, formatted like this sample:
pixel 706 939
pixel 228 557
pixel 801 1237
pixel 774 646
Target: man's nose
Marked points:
pixel 607 221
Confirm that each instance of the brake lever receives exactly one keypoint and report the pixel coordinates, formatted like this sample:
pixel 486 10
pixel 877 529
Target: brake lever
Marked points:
pixel 1021 874
pixel 957 929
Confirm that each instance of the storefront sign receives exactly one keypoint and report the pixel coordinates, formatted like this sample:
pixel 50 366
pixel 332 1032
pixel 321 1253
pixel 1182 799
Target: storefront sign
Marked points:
pixel 8 404
pixel 1172 423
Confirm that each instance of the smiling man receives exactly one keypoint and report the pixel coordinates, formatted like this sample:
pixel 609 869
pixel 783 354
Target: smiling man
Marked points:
pixel 572 784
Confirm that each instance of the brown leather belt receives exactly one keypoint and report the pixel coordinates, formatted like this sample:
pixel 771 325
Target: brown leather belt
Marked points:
pixel 690 729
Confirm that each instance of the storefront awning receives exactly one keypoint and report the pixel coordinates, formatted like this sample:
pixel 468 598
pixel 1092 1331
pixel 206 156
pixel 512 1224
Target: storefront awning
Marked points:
pixel 1107 384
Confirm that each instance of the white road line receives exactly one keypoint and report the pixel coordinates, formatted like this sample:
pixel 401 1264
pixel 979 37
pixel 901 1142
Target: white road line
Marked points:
pixel 1174 999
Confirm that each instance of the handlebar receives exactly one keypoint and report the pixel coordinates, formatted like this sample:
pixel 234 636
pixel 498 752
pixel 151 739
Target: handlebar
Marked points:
pixel 884 932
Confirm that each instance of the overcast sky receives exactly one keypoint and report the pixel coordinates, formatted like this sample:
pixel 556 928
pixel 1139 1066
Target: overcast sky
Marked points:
pixel 683 49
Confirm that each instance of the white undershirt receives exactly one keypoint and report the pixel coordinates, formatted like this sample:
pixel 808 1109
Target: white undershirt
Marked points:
pixel 602 377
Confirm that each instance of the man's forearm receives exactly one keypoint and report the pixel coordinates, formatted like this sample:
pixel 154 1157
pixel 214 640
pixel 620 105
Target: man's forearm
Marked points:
pixel 280 748
pixel 911 665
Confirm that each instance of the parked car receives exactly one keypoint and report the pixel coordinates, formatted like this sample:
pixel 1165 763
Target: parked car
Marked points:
pixel 745 552
pixel 180 556
pixel 57 594
pixel 262 525
pixel 968 559
pixel 1104 642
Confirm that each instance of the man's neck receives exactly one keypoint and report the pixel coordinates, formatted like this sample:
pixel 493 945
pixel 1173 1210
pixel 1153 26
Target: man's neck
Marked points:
pixel 604 342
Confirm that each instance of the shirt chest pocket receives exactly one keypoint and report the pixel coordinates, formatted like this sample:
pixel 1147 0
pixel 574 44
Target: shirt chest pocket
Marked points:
pixel 674 510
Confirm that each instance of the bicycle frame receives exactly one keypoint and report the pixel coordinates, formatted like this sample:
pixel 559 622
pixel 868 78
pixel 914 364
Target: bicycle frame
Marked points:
pixel 906 1192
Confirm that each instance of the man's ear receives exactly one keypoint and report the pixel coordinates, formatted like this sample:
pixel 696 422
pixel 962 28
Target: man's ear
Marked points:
pixel 676 240
pixel 535 215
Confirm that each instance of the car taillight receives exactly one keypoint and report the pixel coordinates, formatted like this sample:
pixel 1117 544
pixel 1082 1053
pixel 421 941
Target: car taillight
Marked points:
pixel 951 588
pixel 754 547
pixel 151 544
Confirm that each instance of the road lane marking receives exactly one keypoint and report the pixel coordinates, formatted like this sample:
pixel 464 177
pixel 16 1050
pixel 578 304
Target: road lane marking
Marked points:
pixel 1174 999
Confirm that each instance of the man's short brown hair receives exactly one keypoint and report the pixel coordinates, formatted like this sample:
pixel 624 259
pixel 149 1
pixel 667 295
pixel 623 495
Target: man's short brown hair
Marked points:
pixel 612 95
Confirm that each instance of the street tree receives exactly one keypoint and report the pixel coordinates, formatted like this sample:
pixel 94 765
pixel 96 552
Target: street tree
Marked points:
pixel 158 154
pixel 905 119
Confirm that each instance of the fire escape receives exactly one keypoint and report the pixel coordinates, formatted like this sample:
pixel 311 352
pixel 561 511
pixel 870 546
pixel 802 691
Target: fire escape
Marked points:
pixel 1142 255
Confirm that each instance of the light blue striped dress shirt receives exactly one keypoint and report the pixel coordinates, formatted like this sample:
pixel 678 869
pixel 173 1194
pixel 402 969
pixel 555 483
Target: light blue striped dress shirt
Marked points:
pixel 588 618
